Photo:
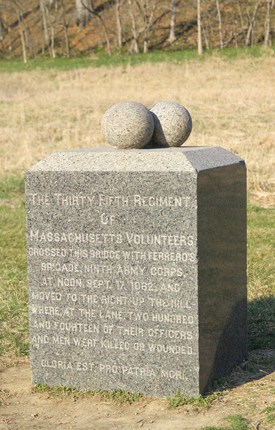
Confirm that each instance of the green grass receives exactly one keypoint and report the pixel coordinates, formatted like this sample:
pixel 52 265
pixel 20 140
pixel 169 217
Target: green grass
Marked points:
pixel 117 396
pixel 235 422
pixel 269 413
pixel 261 277
pixel 99 59
pixel 12 190
pixel 196 402
pixel 13 270
pixel 259 363
pixel 121 396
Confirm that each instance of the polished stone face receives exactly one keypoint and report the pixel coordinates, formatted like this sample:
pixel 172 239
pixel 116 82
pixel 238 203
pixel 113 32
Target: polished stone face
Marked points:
pixel 136 265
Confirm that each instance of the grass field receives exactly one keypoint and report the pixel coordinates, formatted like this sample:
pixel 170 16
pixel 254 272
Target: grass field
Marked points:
pixel 99 59
pixel 230 101
pixel 232 105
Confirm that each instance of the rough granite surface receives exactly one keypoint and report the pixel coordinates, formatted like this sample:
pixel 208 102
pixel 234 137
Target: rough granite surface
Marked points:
pixel 173 124
pixel 127 125
pixel 137 268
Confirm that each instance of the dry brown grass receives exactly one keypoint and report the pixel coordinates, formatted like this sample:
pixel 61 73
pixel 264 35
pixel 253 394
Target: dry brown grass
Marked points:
pixel 232 104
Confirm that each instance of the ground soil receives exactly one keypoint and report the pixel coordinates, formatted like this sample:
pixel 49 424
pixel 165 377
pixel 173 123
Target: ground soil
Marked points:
pixel 23 408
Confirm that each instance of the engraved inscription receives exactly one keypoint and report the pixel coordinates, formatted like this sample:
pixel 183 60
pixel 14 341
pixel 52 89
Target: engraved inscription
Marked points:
pixel 107 201
pixel 113 293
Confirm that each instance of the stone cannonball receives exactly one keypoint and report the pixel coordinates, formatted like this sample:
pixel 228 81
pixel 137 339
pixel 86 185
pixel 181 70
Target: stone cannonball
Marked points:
pixel 127 125
pixel 173 124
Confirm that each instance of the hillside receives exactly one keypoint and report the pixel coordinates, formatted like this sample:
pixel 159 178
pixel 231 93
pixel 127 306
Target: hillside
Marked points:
pixel 72 27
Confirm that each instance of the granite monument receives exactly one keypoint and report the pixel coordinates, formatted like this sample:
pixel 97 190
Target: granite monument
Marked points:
pixel 137 268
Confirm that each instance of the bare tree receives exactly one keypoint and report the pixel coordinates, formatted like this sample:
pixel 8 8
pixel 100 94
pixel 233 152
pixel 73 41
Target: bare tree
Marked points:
pixel 252 18
pixel 137 27
pixel 1 23
pixel 118 22
pixel 22 33
pixel 172 35
pixel 148 20
pixel 53 14
pixel 199 27
pixel 65 28
pixel 267 22
pixel 220 23
pixel 83 15
pixel 133 26
pixel 92 11
pixel 51 3
pixel 147 10
pixel 1 29
pixel 43 11
pixel 204 31
pixel 50 21
pixel 19 11
pixel 240 10
pixel 52 45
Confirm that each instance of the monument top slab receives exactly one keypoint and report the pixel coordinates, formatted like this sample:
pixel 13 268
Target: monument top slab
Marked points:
pixel 160 160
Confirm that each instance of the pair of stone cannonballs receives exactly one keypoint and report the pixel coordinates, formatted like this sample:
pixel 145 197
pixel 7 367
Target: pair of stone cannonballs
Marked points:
pixel 132 125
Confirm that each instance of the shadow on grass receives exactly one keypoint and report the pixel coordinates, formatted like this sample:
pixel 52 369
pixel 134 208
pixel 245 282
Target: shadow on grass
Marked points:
pixel 261 323
pixel 261 347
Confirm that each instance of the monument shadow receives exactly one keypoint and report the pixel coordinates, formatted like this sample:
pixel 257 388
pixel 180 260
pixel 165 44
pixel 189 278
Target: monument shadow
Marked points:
pixel 260 361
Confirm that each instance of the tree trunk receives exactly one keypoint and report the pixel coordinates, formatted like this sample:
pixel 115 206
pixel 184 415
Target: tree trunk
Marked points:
pixel 267 23
pixel 82 12
pixel 106 35
pixel 205 37
pixel 22 34
pixel 240 14
pixel 67 43
pixel 172 35
pixel 44 22
pixel 145 44
pixel 24 51
pixel 52 42
pixel 28 39
pixel 134 27
pixel 92 11
pixel 65 29
pixel 220 23
pixel 147 17
pixel 199 27
pixel 249 35
pixel 118 24
pixel 1 30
